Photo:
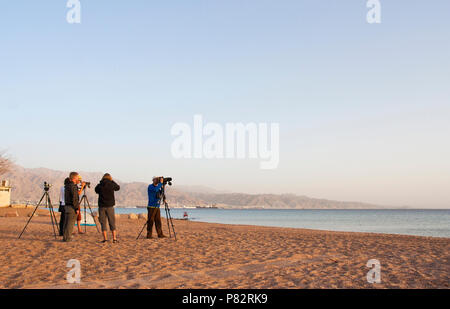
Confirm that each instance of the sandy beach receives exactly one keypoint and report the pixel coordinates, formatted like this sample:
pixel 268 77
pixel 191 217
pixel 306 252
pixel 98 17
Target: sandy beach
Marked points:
pixel 217 256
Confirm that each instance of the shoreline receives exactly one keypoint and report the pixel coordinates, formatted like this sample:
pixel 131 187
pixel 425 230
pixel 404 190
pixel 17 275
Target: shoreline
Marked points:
pixel 214 255
pixel 316 230
pixel 18 206
pixel 25 211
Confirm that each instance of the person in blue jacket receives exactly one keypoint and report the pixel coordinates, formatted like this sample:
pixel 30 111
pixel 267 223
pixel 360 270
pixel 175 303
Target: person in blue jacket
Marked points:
pixel 154 213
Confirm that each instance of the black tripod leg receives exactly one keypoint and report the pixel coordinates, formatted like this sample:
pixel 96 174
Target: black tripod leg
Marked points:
pixel 32 215
pixel 142 230
pixel 167 219
pixel 48 204
pixel 52 214
pixel 85 217
pixel 93 218
pixel 171 223
pixel 92 214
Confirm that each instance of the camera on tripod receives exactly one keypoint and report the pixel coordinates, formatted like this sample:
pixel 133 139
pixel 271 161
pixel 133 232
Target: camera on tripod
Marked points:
pixel 161 200
pixel 88 184
pixel 47 186
pixel 44 201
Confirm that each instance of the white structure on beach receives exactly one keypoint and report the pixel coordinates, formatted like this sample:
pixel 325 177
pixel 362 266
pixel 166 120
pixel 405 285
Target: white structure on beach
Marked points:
pixel 5 194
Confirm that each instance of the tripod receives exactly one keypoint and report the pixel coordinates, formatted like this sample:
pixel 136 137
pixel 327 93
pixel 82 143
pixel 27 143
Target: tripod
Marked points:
pixel 85 202
pixel 48 204
pixel 168 216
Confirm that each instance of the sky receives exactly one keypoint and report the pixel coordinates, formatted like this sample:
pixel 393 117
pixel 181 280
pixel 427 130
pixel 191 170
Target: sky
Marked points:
pixel 363 108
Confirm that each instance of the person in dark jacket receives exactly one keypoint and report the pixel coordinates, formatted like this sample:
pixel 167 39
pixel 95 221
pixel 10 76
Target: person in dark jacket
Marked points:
pixel 62 208
pixel 106 201
pixel 72 205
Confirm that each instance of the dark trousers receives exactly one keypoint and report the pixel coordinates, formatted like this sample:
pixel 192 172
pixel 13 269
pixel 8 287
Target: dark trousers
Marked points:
pixel 69 222
pixel 62 219
pixel 107 214
pixel 154 216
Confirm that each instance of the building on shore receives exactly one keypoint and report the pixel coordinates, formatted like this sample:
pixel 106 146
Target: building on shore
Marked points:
pixel 5 194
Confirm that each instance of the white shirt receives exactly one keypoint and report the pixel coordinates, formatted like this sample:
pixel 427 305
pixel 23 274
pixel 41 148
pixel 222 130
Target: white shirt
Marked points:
pixel 62 197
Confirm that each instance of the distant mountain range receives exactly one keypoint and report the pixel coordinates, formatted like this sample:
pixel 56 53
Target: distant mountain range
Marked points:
pixel 27 186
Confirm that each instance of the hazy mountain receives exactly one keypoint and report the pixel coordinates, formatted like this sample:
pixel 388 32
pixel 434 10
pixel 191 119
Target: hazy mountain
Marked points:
pixel 199 189
pixel 27 186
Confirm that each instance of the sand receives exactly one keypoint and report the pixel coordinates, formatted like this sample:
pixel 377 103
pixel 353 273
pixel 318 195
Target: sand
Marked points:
pixel 218 256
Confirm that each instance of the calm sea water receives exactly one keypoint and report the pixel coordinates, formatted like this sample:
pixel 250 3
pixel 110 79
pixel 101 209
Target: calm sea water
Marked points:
pixel 409 222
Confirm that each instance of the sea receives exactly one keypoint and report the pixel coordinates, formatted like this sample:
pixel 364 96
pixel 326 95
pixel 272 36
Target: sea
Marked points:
pixel 430 222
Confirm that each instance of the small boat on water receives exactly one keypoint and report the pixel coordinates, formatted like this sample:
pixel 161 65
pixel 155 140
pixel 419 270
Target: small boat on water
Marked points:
pixel 185 217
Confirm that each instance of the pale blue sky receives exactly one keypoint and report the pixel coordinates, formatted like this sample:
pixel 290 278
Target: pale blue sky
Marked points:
pixel 363 109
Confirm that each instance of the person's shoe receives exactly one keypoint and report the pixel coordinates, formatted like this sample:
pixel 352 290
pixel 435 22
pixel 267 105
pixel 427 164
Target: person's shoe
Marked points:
pixel 162 236
pixel 149 236
pixel 104 241
pixel 80 232
pixel 115 241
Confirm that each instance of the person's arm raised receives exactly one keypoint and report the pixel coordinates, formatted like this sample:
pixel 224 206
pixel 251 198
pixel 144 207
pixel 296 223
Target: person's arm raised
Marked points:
pixel 97 189
pixel 116 186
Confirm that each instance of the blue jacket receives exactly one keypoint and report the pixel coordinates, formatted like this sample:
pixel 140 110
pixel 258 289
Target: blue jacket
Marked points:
pixel 153 200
